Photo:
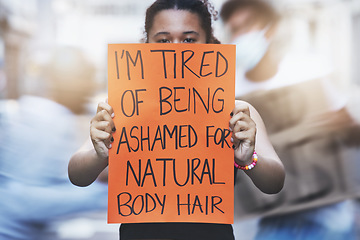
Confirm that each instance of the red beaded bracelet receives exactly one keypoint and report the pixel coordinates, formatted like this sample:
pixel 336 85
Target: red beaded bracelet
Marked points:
pixel 251 165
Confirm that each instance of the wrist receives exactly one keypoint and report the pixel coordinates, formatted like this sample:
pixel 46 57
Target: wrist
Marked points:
pixel 100 159
pixel 245 160
pixel 247 165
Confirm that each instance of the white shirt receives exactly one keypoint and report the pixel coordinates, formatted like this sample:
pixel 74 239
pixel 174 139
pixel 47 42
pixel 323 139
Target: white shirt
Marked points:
pixel 294 69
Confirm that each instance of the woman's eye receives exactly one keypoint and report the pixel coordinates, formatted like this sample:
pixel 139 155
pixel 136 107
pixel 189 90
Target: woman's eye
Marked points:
pixel 163 41
pixel 189 40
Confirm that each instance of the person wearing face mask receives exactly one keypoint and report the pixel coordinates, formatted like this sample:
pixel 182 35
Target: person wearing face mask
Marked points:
pixel 302 112
pixel 256 63
pixel 252 47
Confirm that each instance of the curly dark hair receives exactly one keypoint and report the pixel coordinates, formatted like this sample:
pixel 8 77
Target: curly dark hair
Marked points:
pixel 202 8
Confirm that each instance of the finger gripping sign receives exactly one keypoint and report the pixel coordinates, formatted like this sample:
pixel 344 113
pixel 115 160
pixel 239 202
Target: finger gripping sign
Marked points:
pixel 171 159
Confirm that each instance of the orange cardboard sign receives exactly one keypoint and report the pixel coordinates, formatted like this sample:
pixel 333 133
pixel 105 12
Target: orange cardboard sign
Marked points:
pixel 172 158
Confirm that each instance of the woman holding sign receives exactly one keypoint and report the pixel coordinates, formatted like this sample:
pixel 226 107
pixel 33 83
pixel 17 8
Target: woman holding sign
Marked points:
pixel 184 21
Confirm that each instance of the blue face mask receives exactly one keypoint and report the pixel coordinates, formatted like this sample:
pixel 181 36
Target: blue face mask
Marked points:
pixel 250 49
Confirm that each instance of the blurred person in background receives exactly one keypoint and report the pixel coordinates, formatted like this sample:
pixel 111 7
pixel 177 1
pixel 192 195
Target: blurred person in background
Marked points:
pixel 38 135
pixel 308 124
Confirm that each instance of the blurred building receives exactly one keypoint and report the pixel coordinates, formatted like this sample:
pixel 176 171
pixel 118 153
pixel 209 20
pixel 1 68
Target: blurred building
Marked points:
pixel 16 28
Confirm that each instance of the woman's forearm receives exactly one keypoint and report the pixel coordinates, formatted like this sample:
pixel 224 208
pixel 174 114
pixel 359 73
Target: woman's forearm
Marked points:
pixel 85 166
pixel 268 175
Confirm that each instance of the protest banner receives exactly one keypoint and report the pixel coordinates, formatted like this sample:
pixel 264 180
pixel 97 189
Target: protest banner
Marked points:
pixel 172 158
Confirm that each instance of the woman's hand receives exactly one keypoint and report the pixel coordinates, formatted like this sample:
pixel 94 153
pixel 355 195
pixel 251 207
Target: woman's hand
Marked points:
pixel 243 133
pixel 248 132
pixel 101 129
pixel 92 158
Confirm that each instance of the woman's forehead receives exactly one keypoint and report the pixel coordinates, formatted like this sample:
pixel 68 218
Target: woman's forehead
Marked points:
pixel 175 21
